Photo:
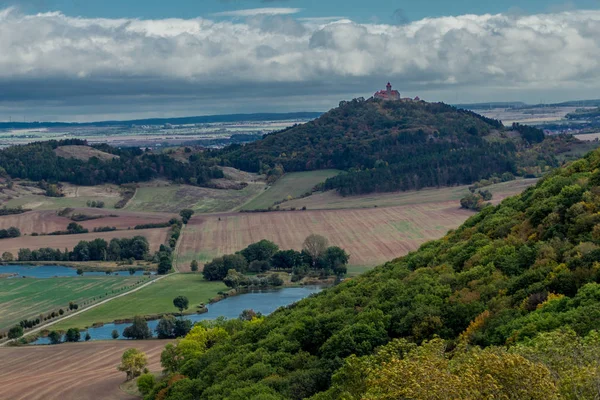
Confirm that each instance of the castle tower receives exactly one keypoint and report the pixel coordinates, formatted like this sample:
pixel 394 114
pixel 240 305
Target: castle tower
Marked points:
pixel 389 90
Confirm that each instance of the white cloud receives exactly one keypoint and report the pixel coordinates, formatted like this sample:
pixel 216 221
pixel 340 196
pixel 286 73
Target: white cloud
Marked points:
pixel 282 56
pixel 259 11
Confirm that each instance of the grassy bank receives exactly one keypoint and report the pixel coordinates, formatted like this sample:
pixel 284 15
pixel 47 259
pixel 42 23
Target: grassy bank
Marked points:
pixel 28 298
pixel 157 298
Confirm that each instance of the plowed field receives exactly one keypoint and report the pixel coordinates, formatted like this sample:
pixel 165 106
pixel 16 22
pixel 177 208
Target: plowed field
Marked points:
pixel 70 371
pixel 155 237
pixel 370 236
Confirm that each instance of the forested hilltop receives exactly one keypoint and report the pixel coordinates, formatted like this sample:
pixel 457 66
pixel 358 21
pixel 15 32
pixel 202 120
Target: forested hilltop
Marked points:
pixel 512 295
pixel 393 145
pixel 39 161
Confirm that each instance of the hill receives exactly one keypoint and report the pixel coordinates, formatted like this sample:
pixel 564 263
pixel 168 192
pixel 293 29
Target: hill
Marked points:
pixel 523 275
pixel 83 153
pixel 388 146
pixel 55 161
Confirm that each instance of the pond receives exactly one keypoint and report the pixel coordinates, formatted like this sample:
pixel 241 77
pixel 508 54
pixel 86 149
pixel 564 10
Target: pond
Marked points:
pixel 263 301
pixel 52 271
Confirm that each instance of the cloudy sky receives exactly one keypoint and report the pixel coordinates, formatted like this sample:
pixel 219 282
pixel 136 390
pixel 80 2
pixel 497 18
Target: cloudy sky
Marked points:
pixel 91 60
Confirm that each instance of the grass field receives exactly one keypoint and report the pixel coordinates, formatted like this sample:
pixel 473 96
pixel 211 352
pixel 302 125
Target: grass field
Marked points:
pixel 371 236
pixel 75 196
pixel 83 153
pixel 332 200
pixel 82 371
pixel 28 298
pixel 155 237
pixel 173 198
pixel 291 185
pixel 157 298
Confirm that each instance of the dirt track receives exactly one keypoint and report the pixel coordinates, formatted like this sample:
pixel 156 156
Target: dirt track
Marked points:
pixel 70 371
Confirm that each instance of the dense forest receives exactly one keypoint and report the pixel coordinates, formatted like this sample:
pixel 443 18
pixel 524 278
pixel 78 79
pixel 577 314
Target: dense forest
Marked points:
pixel 513 295
pixel 387 146
pixel 38 161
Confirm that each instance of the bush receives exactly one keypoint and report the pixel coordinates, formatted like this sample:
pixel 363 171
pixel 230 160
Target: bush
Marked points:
pixel 15 332
pixel 145 383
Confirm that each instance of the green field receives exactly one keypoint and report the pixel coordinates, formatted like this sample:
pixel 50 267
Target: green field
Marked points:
pixel 291 185
pixel 174 198
pixel 330 200
pixel 28 298
pixel 156 298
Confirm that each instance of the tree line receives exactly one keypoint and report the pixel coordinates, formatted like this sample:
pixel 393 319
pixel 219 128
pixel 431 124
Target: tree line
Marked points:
pixel 38 162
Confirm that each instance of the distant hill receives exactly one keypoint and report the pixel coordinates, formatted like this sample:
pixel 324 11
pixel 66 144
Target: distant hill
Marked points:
pixel 206 119
pixel 388 146
pixel 520 104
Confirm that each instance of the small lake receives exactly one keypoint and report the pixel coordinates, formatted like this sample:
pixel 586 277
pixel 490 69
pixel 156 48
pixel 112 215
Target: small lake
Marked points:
pixel 263 301
pixel 51 271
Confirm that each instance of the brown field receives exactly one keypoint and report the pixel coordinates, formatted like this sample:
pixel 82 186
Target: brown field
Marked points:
pixel 48 221
pixel 83 153
pixel 371 236
pixel 155 237
pixel 81 371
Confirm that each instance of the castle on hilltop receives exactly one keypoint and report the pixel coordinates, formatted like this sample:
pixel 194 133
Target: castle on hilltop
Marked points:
pixel 389 94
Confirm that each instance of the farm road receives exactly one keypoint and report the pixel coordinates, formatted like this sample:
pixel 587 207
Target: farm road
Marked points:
pixel 40 328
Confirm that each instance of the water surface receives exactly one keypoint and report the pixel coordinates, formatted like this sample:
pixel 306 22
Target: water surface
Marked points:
pixel 263 301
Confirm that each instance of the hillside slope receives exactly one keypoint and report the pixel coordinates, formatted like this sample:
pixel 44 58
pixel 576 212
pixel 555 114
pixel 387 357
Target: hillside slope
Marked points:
pixel 528 265
pixel 389 146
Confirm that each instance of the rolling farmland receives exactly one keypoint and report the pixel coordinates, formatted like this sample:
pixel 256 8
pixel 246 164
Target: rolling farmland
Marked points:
pixel 332 200
pixel 83 371
pixel 371 236
pixel 173 198
pixel 48 221
pixel 155 237
pixel 28 298
pixel 291 185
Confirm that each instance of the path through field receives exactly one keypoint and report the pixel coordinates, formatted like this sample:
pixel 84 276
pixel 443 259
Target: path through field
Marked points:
pixel 70 371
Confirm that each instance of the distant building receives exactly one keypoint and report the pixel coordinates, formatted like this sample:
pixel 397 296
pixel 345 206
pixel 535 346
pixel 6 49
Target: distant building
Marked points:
pixel 387 94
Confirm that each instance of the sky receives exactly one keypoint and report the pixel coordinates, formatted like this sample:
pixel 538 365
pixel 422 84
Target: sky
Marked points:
pixel 76 60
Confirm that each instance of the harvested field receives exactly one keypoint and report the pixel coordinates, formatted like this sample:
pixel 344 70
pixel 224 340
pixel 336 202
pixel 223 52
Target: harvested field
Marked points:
pixel 291 185
pixel 83 153
pixel 173 198
pixel 71 371
pixel 332 200
pixel 28 298
pixel 371 236
pixel 155 237
pixel 48 221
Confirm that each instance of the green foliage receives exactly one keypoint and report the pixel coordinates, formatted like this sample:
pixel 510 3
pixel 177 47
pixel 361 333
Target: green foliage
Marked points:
pixel 38 162
pixel 507 276
pixel 72 335
pixel 181 302
pixel 133 363
pixel 194 266
pixel 138 329
pixel 259 251
pixel 15 332
pixel 11 232
pixel 55 337
pixel 145 383
pixel 114 334
pixel 217 269
pixel 185 215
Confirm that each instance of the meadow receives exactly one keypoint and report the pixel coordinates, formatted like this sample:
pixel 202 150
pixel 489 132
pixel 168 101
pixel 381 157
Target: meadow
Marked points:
pixel 332 200
pixel 155 237
pixel 83 371
pixel 370 236
pixel 74 197
pixel 291 185
pixel 157 298
pixel 174 197
pixel 28 298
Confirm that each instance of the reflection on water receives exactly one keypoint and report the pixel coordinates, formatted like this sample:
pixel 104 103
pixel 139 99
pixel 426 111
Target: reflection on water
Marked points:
pixel 263 301
pixel 52 271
